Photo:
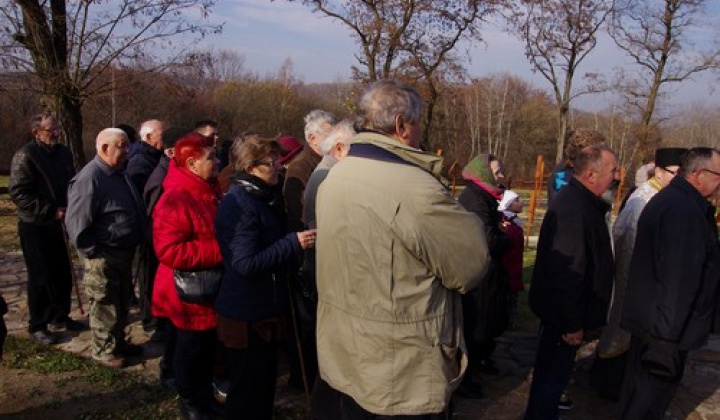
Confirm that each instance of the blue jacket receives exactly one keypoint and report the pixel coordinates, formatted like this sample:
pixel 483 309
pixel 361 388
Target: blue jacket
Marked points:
pixel 256 250
pixel 141 162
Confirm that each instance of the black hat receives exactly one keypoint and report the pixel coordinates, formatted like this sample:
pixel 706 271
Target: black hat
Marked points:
pixel 669 156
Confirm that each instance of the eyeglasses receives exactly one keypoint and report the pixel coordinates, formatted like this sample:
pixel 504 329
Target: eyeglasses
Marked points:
pixel 711 171
pixel 49 130
pixel 668 170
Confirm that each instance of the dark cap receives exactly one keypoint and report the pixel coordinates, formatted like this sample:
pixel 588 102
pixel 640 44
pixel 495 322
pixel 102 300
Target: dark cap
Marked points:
pixel 669 156
pixel 289 148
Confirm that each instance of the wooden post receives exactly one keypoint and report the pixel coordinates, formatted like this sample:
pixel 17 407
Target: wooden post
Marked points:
pixel 535 196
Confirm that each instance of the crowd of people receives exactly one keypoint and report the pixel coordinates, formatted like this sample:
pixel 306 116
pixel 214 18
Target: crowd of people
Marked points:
pixel 348 252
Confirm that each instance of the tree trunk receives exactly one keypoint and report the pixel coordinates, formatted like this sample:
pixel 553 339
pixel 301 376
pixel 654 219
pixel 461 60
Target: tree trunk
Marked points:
pixel 68 111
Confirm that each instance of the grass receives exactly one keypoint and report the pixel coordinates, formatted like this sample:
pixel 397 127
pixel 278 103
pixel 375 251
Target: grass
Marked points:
pixel 128 395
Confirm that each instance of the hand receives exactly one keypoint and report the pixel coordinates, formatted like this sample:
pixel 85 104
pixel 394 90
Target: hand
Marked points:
pixel 573 338
pixel 60 213
pixel 307 238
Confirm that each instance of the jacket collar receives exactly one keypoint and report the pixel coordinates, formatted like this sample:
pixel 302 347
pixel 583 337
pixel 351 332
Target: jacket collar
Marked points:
pixel 425 161
pixel 683 185
pixel 105 168
pixel 601 205
pixel 179 177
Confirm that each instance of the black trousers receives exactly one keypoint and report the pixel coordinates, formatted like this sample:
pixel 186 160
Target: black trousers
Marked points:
pixel 330 404
pixel 253 373
pixel 49 280
pixel 553 368
pixel 646 396
pixel 193 365
pixel 147 268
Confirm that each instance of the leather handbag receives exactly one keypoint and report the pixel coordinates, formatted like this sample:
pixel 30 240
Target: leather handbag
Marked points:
pixel 198 286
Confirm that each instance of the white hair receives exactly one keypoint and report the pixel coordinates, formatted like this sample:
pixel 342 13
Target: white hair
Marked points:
pixel 107 135
pixel 315 122
pixel 342 132
pixel 147 128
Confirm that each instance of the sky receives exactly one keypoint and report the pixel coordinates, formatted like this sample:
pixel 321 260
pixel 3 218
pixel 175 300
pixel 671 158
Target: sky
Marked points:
pixel 268 32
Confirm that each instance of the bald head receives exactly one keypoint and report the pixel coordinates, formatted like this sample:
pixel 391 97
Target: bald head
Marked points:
pixel 151 132
pixel 111 145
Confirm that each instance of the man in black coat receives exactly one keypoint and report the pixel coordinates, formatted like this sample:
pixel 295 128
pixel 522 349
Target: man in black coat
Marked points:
pixel 39 177
pixel 572 282
pixel 145 154
pixel 673 285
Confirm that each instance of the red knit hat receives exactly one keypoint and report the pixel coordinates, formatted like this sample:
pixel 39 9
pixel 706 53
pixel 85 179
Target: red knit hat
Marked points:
pixel 289 148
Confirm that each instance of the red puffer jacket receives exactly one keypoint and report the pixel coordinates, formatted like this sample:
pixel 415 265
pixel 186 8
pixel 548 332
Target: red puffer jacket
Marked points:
pixel 184 238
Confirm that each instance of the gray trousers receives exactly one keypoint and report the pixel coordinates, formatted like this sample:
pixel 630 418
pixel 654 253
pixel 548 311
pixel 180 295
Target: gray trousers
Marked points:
pixel 108 285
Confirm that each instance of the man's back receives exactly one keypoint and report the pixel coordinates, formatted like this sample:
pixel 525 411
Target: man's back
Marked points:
pixel 675 269
pixel 394 250
pixel 572 280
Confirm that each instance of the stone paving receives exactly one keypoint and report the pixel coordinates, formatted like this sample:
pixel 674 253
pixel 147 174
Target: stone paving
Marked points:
pixel 506 393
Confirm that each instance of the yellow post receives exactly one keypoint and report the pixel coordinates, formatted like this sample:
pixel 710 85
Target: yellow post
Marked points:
pixel 534 196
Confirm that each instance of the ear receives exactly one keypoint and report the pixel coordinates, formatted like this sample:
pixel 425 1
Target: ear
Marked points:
pixel 104 149
pixel 400 125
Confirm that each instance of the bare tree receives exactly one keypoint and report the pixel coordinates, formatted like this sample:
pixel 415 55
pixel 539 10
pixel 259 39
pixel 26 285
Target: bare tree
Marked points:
pixel 409 39
pixel 67 45
pixel 558 36
pixel 654 34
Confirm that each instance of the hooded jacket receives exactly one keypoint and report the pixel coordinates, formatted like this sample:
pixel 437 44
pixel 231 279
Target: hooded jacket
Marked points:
pixel 184 238
pixel 395 252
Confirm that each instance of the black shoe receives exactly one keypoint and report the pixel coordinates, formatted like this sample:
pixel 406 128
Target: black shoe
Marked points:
pixel 130 350
pixel 72 325
pixel 190 411
pixel 470 390
pixel 44 337
pixel 67 325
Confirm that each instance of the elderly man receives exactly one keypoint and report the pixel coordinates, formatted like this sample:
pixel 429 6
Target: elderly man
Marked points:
pixel 389 328
pixel 209 129
pixel 39 177
pixel 317 126
pixel 105 220
pixel 614 342
pixel 572 281
pixel 334 148
pixel 673 285
pixel 145 154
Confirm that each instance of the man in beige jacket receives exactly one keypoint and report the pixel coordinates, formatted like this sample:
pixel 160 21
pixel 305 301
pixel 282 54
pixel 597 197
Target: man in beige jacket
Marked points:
pixel 394 253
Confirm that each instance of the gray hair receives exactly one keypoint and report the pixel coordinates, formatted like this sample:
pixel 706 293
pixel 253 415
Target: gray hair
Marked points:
pixel 37 120
pixel 107 135
pixel 342 132
pixel 696 159
pixel 590 156
pixel 148 127
pixel 383 101
pixel 315 122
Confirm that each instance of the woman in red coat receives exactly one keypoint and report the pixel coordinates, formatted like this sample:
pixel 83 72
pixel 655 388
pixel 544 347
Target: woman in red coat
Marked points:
pixel 184 238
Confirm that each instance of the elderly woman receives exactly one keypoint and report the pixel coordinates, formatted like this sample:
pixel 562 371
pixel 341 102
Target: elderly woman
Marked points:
pixel 485 308
pixel 256 249
pixel 184 239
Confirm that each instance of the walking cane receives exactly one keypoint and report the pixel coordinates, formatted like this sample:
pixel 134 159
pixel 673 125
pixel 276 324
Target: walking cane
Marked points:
pixel 299 346
pixel 72 269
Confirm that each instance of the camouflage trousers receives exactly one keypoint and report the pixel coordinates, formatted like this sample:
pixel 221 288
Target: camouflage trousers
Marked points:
pixel 108 285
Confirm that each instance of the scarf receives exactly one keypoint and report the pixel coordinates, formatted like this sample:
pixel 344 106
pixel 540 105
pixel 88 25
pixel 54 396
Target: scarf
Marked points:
pixel 478 172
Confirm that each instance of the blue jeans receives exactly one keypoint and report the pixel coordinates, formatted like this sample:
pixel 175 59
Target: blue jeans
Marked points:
pixel 553 368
